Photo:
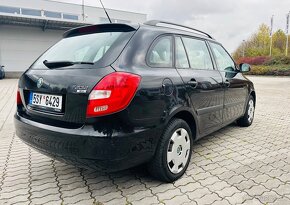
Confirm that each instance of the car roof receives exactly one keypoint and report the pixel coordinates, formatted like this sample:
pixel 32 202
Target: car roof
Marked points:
pixel 149 25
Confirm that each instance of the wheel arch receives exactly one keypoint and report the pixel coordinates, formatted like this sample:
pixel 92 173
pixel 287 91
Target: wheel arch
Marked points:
pixel 253 94
pixel 188 117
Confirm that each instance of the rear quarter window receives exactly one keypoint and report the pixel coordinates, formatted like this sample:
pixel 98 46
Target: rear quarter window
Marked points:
pixel 160 53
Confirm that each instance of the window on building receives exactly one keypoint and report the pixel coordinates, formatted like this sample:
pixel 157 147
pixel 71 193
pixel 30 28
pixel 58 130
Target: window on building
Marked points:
pixel 11 10
pixel 161 54
pixel 52 14
pixel 104 20
pixel 70 17
pixel 31 12
pixel 122 21
pixel 198 54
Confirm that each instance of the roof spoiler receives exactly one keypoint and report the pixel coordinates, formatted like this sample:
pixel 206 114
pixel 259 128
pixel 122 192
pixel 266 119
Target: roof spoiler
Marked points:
pixel 98 28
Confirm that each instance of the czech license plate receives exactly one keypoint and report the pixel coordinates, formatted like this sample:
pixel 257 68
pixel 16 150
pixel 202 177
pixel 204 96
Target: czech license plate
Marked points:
pixel 46 101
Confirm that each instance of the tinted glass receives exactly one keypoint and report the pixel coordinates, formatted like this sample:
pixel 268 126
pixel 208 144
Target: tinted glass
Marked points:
pixel 181 58
pixel 223 59
pixel 84 48
pixel 161 54
pixel 198 54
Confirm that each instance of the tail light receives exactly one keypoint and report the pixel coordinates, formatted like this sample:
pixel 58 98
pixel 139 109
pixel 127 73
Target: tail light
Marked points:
pixel 18 98
pixel 112 94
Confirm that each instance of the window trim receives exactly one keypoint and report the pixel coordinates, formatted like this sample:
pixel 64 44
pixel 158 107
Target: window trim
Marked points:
pixel 153 44
pixel 175 53
pixel 210 47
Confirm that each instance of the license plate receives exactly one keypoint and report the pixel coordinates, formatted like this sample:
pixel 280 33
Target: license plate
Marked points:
pixel 53 102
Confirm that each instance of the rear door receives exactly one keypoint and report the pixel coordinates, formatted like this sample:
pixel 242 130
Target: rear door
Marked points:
pixel 203 82
pixel 236 91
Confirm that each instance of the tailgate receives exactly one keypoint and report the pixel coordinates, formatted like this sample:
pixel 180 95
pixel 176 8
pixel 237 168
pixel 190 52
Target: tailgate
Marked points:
pixel 69 86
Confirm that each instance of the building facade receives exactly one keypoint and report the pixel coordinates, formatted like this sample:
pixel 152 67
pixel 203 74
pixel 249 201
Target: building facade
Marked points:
pixel 29 27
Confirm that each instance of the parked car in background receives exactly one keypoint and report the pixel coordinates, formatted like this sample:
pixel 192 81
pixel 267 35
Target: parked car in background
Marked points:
pixel 113 96
pixel 2 72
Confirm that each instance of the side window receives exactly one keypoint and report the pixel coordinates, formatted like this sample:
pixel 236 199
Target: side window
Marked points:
pixel 198 54
pixel 161 53
pixel 223 59
pixel 180 54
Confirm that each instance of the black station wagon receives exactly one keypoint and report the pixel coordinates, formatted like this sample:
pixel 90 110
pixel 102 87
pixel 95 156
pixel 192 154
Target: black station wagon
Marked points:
pixel 114 96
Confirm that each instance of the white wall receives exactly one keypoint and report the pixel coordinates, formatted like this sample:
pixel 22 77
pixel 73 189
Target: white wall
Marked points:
pixel 20 46
pixel 93 13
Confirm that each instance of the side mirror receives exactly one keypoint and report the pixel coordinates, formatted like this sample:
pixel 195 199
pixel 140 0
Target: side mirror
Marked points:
pixel 244 67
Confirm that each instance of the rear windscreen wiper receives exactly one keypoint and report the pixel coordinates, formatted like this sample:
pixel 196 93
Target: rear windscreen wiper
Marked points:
pixel 59 64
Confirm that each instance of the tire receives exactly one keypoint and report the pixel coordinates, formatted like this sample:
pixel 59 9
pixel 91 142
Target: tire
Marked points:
pixel 176 144
pixel 248 117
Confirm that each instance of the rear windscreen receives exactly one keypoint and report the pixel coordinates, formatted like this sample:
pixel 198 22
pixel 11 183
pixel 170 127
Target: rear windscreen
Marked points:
pixel 98 48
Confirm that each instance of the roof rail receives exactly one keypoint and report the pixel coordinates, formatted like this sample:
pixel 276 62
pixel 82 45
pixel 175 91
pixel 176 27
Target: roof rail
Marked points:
pixel 155 22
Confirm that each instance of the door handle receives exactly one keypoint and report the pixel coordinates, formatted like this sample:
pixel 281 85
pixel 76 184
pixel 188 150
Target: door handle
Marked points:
pixel 227 83
pixel 192 83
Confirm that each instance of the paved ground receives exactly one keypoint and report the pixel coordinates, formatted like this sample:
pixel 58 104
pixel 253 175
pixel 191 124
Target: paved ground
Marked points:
pixel 232 166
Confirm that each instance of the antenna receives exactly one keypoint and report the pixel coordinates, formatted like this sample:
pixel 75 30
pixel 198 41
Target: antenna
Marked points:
pixel 106 11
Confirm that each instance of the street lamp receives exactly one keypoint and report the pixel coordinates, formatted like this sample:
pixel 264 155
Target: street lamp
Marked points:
pixel 271 34
pixel 83 10
pixel 287 33
pixel 244 45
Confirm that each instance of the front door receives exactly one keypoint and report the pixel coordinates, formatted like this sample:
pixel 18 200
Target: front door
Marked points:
pixel 204 84
pixel 235 85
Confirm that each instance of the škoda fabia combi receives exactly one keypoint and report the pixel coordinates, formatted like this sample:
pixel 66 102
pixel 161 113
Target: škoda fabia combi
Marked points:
pixel 113 96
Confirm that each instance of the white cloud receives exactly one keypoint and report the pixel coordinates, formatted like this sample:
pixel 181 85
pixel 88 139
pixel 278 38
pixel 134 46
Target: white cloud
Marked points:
pixel 229 21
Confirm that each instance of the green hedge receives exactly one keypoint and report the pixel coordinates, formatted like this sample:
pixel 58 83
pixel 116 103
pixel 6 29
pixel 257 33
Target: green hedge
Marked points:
pixel 276 70
pixel 265 60
pixel 278 60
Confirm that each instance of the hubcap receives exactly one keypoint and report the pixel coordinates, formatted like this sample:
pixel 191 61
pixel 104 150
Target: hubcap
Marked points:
pixel 251 111
pixel 178 150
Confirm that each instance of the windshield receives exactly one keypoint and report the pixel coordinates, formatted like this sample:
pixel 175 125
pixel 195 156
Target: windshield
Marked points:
pixel 89 48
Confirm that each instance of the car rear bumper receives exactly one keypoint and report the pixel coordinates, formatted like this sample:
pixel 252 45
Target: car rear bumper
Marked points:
pixel 87 147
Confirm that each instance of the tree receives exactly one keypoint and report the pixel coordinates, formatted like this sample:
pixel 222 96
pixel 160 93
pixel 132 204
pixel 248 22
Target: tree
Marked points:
pixel 279 41
pixel 259 43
